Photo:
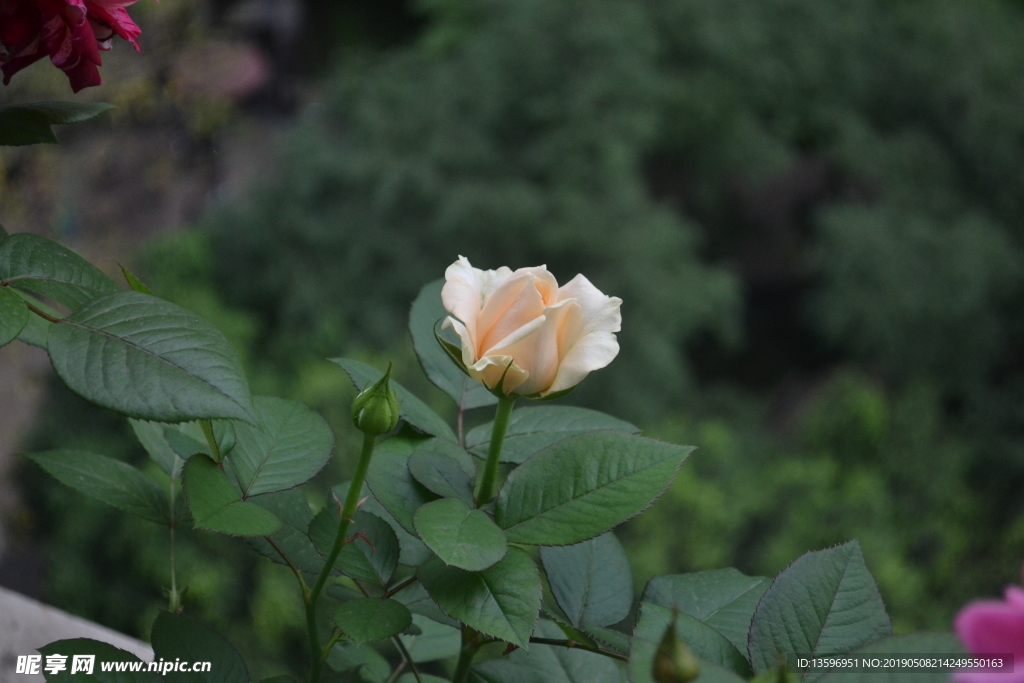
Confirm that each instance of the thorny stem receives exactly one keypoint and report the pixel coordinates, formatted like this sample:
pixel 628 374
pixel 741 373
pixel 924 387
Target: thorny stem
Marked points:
pixel 501 419
pixel 347 512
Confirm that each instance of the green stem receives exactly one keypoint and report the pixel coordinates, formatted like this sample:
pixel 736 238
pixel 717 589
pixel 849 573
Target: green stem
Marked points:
pixel 501 418
pixel 347 512
pixel 466 655
pixel 211 439
pixel 174 600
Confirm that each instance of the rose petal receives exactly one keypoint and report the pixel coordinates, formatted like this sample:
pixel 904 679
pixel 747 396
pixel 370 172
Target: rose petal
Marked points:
pixel 539 352
pixel 512 305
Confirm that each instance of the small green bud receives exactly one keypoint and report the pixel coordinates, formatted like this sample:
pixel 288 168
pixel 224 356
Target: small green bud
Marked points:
pixel 375 410
pixel 674 661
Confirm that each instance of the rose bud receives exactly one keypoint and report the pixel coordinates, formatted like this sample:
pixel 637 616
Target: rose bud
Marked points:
pixel 375 410
pixel 674 661
pixel 524 335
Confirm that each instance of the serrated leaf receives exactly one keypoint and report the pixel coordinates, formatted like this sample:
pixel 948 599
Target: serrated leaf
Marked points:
pixel 413 552
pixel 217 506
pixel 367 619
pixel 434 641
pixel 583 486
pixel 533 429
pixel 461 536
pixel 111 481
pixel 502 601
pixel 292 509
pixel 707 643
pixel 909 644
pixel 413 410
pixel 370 664
pixel 134 282
pixel 426 310
pixel 31 123
pixel 549 664
pixel 724 599
pixel 416 598
pixel 447 476
pixel 149 359
pixel 36 264
pixel 291 444
pixel 389 480
pixel 371 556
pixel 13 315
pixel 825 603
pixel 179 637
pixel 591 580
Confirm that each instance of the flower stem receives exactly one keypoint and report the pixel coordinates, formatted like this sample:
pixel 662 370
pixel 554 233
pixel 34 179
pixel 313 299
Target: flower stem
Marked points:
pixel 501 419
pixel 466 654
pixel 347 512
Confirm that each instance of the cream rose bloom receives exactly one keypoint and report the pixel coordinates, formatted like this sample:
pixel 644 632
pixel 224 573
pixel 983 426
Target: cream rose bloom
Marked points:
pixel 548 337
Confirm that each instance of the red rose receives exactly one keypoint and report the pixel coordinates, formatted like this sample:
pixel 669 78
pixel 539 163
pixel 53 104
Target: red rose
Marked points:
pixel 70 32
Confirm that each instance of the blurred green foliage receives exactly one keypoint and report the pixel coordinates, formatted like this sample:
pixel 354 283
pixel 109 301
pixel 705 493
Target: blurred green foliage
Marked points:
pixel 812 210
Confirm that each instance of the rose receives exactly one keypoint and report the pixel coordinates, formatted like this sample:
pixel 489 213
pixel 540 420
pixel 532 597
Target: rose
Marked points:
pixel 523 334
pixel 70 32
pixel 994 627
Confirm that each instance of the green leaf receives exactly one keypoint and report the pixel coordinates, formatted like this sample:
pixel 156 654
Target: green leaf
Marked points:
pixel 102 652
pixel 134 282
pixel 425 678
pixel 706 643
pixel 426 310
pixel 910 644
pixel 291 444
pixel 502 601
pixel 413 552
pixel 292 509
pixel 825 603
pixel 461 536
pixel 171 445
pixel 434 641
pixel 178 637
pixel 590 580
pixel 370 664
pixel 413 410
pixel 371 556
pixel 29 124
pixel 39 265
pixel 724 599
pixel 13 315
pixel 3 234
pixel 389 480
pixel 533 429
pixel 549 664
pixel 447 476
pixel 583 486
pixel 37 329
pixel 111 481
pixel 217 506
pixel 368 619
pixel 713 673
pixel 611 639
pixel 416 598
pixel 149 359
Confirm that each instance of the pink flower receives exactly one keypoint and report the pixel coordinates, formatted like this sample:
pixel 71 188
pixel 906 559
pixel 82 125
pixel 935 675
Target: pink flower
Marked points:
pixel 994 627
pixel 70 32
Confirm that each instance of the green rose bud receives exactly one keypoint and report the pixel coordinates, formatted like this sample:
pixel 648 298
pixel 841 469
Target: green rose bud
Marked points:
pixel 375 410
pixel 674 661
